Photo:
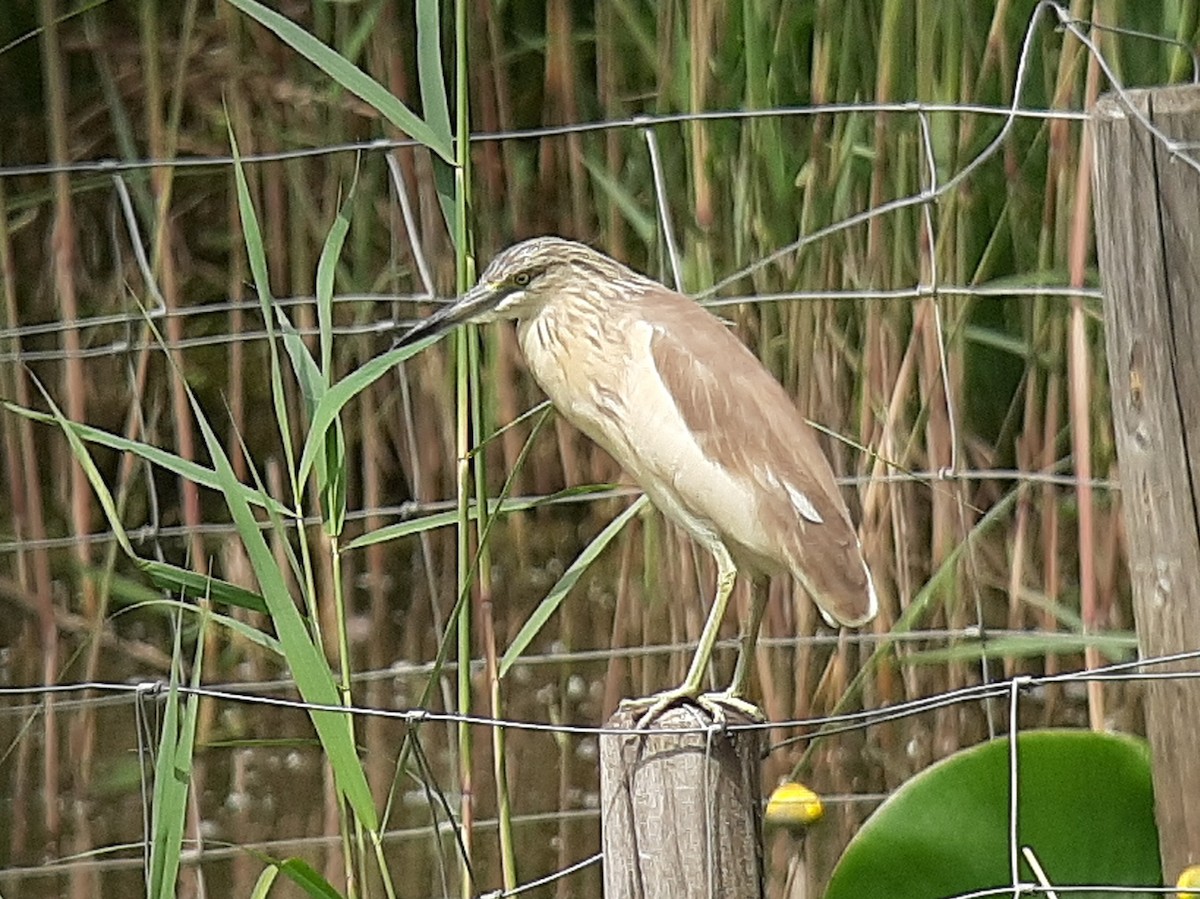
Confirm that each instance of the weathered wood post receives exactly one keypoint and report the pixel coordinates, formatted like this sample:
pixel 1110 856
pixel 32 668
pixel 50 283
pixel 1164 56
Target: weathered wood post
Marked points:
pixel 1148 238
pixel 680 812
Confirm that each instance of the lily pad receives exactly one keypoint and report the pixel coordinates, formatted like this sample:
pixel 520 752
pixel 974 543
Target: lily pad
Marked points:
pixel 1085 808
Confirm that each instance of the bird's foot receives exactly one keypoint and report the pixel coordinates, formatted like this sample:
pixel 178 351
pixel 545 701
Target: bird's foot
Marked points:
pixel 717 705
pixel 658 703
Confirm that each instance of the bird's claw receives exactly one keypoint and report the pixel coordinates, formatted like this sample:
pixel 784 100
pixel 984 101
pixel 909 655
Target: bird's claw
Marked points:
pixel 717 705
pixel 657 704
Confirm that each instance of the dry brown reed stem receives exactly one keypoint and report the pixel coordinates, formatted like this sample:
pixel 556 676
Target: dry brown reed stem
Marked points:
pixel 1058 180
pixel 371 466
pixel 567 852
pixel 495 708
pixel 770 687
pixel 609 95
pixel 64 247
pixel 885 501
pixel 780 612
pixel 489 101
pixel 617 669
pixel 27 513
pixel 776 667
pixel 1020 539
pixel 241 124
pixel 24 786
pixel 83 882
pixel 236 568
pixel 877 255
pixel 70 623
pixel 334 868
pixel 505 376
pixel 13 383
pixel 879 369
pixel 560 162
pixel 1051 537
pixel 161 145
pixel 638 629
pixel 700 33
pixel 1079 359
pixel 83 734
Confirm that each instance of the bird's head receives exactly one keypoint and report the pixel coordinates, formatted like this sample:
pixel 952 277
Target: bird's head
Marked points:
pixel 525 277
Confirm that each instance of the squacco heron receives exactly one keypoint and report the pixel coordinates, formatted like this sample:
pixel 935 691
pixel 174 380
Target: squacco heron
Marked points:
pixel 693 416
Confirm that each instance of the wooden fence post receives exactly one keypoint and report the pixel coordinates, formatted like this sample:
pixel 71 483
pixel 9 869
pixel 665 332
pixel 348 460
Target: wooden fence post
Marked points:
pixel 1148 239
pixel 680 813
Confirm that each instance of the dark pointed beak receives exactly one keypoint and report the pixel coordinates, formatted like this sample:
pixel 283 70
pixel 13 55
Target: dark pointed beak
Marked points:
pixel 472 305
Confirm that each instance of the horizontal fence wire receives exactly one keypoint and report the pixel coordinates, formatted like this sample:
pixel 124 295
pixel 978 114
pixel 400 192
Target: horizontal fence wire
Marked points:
pixel 388 326
pixel 1117 672
pixel 1014 688
pixel 972 635
pixel 113 166
pixel 413 511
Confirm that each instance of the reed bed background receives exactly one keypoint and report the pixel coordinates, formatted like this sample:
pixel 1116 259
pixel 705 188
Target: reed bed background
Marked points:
pixel 889 200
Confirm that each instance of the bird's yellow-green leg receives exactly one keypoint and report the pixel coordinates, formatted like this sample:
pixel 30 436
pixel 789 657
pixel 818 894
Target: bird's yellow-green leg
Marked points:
pixel 690 688
pixel 734 697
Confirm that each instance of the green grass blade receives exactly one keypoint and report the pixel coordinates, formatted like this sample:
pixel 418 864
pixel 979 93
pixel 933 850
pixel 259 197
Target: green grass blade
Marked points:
pixel 404 529
pixel 305 659
pixel 436 104
pixel 347 75
pixel 84 458
pixel 329 464
pixel 333 480
pixel 304 366
pixel 257 254
pixel 131 598
pixel 165 801
pixel 642 222
pixel 246 631
pixel 343 392
pixel 445 519
pixel 303 875
pixel 169 577
pixel 174 579
pixel 558 592
pixel 331 252
pixel 1117 646
pixel 265 881
pixel 333 469
pixel 172 775
pixel 429 70
pixel 166 460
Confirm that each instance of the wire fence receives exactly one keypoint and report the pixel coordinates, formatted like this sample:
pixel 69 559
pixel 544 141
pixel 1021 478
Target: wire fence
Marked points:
pixel 120 334
pixel 139 695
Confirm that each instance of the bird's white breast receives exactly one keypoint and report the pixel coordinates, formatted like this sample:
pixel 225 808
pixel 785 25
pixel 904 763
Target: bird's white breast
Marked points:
pixel 602 377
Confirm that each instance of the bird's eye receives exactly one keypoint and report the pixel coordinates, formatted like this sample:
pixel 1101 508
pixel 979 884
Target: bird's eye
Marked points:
pixel 522 279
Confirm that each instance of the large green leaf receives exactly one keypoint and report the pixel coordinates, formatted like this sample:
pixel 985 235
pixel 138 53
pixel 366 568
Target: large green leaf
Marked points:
pixel 1085 808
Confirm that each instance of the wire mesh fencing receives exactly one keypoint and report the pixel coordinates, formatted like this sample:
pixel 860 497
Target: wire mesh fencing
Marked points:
pixel 1012 611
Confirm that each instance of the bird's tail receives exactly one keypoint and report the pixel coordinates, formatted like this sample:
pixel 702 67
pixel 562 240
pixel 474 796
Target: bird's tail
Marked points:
pixel 845 598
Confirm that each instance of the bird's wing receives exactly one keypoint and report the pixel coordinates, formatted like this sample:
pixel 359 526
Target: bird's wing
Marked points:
pixel 744 420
